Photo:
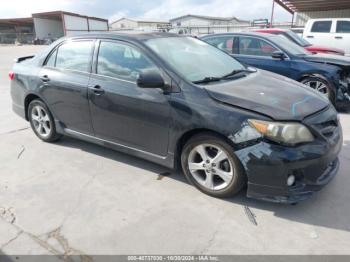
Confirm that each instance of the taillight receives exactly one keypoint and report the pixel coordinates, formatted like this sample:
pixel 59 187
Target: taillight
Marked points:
pixel 11 75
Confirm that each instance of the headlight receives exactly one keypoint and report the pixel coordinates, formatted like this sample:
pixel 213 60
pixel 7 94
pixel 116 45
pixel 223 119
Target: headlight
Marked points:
pixel 289 133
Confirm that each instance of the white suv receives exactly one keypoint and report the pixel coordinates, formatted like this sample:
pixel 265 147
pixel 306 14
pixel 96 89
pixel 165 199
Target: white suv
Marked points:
pixel 333 32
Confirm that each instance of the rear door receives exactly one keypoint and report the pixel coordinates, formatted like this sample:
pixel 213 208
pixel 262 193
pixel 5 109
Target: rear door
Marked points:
pixel 258 52
pixel 64 82
pixel 342 35
pixel 320 33
pixel 121 111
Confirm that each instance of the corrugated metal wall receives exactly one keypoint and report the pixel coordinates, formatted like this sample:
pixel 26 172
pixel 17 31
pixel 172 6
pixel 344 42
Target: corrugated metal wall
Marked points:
pixel 302 18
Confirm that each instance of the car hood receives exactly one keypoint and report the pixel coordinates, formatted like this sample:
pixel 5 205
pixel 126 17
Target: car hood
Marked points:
pixel 272 95
pixel 318 48
pixel 329 59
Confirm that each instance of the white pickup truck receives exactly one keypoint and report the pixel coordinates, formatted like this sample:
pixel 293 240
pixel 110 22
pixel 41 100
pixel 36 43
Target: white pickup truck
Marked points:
pixel 333 32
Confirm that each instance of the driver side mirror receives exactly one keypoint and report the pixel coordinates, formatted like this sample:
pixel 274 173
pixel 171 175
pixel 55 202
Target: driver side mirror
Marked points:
pixel 279 55
pixel 150 78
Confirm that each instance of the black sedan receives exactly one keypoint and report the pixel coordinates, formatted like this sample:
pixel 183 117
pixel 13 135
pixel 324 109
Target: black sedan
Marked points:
pixel 326 73
pixel 178 101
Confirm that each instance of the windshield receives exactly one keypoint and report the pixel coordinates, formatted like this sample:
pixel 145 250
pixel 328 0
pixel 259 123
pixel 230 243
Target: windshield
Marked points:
pixel 290 46
pixel 298 39
pixel 194 59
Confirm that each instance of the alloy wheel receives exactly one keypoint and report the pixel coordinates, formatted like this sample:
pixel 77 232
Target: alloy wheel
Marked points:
pixel 211 167
pixel 318 86
pixel 41 121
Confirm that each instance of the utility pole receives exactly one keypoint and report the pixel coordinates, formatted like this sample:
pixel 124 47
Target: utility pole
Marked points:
pixel 272 13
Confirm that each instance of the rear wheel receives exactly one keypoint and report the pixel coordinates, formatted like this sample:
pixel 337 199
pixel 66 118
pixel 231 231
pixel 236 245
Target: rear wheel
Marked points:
pixel 210 164
pixel 321 86
pixel 42 121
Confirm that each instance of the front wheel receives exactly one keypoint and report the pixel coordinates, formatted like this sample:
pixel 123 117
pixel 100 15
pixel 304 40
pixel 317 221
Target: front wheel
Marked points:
pixel 210 164
pixel 321 86
pixel 42 121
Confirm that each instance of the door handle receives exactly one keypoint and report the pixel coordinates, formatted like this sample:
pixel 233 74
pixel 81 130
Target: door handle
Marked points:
pixel 98 90
pixel 310 36
pixel 338 37
pixel 45 78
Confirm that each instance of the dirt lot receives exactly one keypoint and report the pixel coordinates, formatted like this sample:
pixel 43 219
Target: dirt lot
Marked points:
pixel 73 197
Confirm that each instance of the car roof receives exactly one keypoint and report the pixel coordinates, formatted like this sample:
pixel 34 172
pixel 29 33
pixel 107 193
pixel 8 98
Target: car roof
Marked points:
pixel 271 30
pixel 129 35
pixel 263 35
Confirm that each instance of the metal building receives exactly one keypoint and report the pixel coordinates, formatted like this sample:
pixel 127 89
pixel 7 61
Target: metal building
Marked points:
pixel 48 26
pixel 199 20
pixel 18 29
pixel 303 10
pixel 138 24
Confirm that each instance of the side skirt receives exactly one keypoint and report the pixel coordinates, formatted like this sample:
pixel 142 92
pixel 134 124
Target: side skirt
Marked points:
pixel 166 161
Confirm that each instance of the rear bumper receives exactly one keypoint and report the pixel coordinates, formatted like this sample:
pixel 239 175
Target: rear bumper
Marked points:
pixel 268 167
pixel 19 110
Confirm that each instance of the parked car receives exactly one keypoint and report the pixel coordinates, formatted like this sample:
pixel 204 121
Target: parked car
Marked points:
pixel 292 36
pixel 178 101
pixel 328 74
pixel 331 32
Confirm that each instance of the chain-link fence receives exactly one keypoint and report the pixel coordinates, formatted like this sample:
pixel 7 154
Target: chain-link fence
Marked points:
pixel 215 29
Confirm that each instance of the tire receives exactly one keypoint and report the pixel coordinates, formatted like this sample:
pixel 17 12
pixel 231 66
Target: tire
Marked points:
pixel 218 175
pixel 42 122
pixel 320 85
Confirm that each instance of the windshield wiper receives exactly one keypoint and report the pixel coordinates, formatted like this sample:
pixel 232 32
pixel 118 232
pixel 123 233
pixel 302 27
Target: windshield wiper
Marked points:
pixel 236 72
pixel 210 79
pixel 207 79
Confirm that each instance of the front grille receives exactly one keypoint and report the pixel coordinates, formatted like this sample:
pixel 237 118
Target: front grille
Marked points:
pixel 327 128
pixel 324 123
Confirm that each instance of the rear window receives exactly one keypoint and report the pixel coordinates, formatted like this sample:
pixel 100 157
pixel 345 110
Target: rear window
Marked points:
pixel 321 27
pixel 74 56
pixel 343 27
pixel 222 42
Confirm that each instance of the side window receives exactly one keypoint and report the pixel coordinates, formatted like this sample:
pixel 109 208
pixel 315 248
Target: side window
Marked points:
pixel 343 27
pixel 224 43
pixel 255 46
pixel 321 27
pixel 51 61
pixel 74 56
pixel 121 61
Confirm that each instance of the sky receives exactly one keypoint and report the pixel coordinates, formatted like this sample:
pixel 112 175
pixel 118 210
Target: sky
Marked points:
pixel 155 9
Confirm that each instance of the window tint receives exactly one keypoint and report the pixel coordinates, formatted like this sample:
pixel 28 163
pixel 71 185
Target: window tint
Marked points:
pixel 255 46
pixel 121 61
pixel 74 56
pixel 51 61
pixel 343 27
pixel 224 43
pixel 321 27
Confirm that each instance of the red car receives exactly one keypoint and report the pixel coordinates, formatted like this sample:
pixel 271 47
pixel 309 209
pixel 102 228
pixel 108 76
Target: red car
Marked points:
pixel 301 41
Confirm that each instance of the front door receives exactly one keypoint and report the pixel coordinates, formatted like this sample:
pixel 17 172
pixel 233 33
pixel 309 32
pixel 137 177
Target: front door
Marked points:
pixel 121 111
pixel 257 52
pixel 320 33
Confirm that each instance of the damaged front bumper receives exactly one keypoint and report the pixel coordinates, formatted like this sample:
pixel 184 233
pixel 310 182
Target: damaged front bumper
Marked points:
pixel 343 93
pixel 269 165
